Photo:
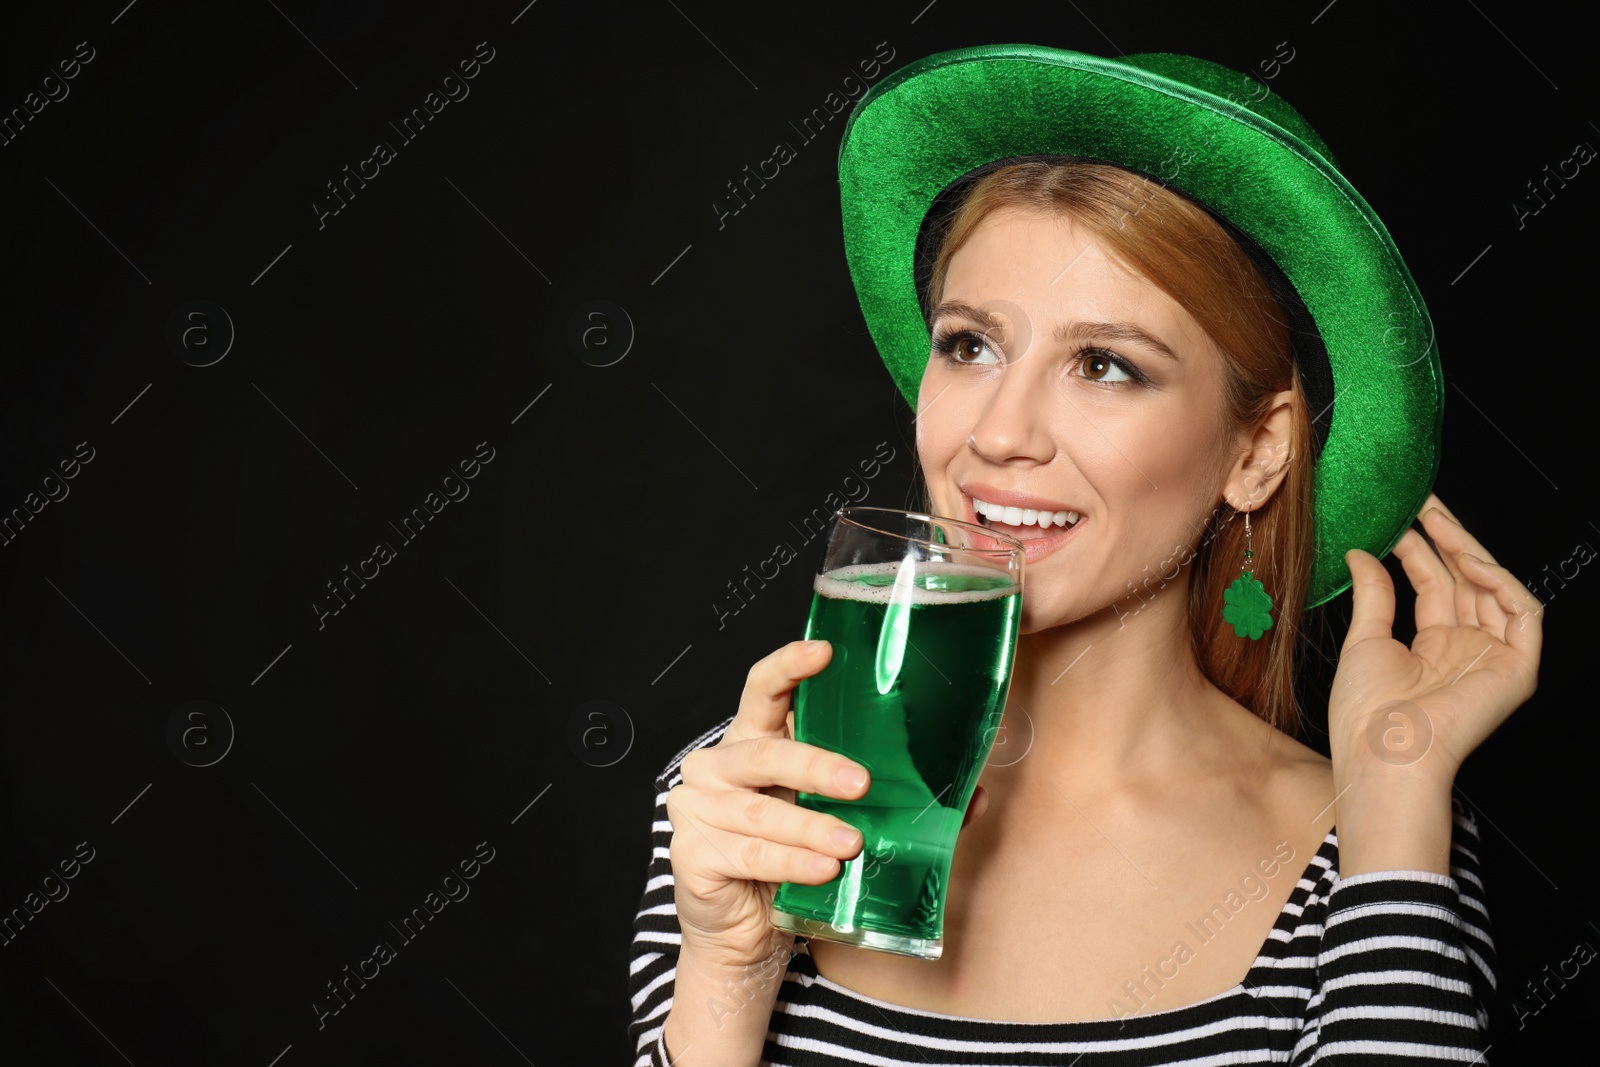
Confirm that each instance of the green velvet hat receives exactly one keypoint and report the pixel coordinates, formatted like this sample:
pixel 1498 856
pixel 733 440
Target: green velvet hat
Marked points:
pixel 1363 342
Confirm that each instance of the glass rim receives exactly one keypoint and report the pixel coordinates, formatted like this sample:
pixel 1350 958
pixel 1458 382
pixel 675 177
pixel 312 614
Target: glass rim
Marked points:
pixel 846 514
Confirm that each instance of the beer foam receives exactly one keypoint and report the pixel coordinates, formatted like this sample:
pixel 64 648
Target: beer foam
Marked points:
pixel 845 584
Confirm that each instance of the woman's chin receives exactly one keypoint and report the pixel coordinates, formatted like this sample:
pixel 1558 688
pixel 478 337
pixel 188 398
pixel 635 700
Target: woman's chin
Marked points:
pixel 1039 618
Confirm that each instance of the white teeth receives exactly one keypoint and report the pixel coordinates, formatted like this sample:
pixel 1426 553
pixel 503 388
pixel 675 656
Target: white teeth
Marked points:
pixel 1024 516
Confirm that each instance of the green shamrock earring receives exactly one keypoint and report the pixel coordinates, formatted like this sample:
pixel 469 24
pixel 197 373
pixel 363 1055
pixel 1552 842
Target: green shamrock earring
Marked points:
pixel 1245 603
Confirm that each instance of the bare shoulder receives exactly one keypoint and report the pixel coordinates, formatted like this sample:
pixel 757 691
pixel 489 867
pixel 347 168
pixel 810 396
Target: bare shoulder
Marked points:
pixel 1299 780
pixel 1295 758
pixel 1281 774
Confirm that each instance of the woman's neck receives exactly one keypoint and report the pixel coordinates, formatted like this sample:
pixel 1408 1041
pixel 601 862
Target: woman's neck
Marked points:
pixel 1111 700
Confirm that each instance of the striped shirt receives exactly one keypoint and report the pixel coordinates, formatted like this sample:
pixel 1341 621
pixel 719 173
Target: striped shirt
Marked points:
pixel 1391 968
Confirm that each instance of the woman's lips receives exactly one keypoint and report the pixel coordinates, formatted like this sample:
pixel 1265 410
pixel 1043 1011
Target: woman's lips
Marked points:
pixel 1036 543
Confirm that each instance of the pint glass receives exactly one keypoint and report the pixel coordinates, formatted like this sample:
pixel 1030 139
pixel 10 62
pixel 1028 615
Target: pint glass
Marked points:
pixel 922 613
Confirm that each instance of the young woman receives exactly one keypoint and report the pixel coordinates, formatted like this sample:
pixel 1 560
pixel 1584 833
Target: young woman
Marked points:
pixel 1136 296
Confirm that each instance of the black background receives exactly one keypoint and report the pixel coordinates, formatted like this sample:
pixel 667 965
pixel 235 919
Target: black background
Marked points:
pixel 375 352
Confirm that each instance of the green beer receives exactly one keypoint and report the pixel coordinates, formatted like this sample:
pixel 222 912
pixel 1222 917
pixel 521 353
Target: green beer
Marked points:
pixel 921 662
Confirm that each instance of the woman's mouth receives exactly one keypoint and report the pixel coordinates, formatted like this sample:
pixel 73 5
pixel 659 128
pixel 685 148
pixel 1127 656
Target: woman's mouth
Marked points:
pixel 1025 524
pixel 1040 531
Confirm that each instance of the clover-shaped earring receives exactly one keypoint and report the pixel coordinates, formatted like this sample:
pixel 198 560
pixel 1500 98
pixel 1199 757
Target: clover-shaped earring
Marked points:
pixel 1245 603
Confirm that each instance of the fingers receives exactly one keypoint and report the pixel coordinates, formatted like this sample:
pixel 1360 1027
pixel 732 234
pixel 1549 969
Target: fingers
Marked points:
pixel 1433 501
pixel 710 851
pixel 1498 601
pixel 764 703
pixel 744 814
pixel 1372 595
pixel 1447 530
pixel 1524 630
pixel 742 833
pixel 1462 589
pixel 727 822
pixel 1435 585
pixel 1491 616
pixel 1484 604
pixel 775 761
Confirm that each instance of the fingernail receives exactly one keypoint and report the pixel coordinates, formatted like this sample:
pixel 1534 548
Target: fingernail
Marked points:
pixel 851 778
pixel 844 837
pixel 813 646
pixel 822 864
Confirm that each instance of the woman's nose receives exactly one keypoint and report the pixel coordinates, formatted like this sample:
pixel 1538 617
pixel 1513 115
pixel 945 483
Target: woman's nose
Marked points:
pixel 1015 421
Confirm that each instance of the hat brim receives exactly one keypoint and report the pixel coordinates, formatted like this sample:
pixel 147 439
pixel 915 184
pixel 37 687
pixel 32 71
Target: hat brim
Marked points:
pixel 931 122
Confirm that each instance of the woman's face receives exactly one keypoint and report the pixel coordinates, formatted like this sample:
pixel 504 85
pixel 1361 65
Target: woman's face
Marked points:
pixel 1090 391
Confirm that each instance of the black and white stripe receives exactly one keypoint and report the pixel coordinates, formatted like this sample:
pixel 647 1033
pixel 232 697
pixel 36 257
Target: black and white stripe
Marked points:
pixel 1391 968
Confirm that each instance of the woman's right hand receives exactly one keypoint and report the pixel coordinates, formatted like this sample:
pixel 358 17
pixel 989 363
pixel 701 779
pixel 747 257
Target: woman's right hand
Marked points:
pixel 737 832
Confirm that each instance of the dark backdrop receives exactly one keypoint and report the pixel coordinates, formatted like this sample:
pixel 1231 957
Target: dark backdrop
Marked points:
pixel 251 788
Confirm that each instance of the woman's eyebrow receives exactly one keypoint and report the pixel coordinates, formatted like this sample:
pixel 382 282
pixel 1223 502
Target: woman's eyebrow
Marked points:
pixel 956 309
pixel 1113 331
pixel 1077 332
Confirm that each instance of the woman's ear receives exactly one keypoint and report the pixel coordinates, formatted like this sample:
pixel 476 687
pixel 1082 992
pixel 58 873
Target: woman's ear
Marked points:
pixel 1264 456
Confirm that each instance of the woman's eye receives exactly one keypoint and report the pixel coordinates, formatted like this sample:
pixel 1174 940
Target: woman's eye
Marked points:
pixel 1100 367
pixel 966 348
pixel 972 349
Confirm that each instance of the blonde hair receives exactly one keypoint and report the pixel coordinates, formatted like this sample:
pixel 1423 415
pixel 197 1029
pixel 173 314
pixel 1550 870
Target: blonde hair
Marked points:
pixel 1182 250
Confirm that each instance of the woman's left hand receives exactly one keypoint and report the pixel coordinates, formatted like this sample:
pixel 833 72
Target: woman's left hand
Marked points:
pixel 1474 660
